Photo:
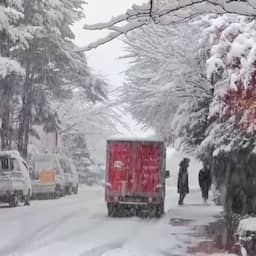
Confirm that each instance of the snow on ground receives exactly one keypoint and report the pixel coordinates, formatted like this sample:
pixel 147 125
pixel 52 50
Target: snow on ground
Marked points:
pixel 216 254
pixel 78 225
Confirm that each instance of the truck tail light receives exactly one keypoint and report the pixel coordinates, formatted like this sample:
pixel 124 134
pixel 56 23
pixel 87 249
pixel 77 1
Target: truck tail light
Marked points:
pixel 153 200
pixel 159 186
pixel 112 199
pixel 108 185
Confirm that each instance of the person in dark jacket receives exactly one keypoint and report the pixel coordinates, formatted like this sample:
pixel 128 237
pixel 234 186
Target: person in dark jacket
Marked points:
pixel 205 181
pixel 183 187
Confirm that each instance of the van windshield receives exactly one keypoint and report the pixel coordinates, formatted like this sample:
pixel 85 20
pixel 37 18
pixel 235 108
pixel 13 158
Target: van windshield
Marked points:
pixel 8 164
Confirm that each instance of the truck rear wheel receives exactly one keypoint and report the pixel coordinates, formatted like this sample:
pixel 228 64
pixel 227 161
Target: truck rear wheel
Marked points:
pixel 112 210
pixel 159 210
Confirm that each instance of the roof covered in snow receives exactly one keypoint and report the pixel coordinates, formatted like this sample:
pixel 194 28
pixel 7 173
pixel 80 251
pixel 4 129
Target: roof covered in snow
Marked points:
pixel 10 153
pixel 134 140
pixel 248 224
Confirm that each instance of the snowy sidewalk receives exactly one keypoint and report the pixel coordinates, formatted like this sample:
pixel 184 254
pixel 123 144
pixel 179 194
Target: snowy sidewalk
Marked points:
pixel 188 221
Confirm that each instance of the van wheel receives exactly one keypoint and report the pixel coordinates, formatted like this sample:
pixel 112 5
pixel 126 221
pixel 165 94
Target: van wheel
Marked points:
pixel 76 190
pixel 62 192
pixel 59 192
pixel 14 201
pixel 53 195
pixel 27 199
pixel 68 190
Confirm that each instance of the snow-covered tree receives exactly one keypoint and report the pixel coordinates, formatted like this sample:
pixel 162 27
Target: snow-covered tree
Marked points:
pixel 166 12
pixel 39 65
pixel 200 86
pixel 167 87
pixel 231 135
pixel 50 60
pixel 231 69
pixel 13 36
pixel 85 126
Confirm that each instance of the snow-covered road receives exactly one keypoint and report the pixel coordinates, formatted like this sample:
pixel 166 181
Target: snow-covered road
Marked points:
pixel 78 226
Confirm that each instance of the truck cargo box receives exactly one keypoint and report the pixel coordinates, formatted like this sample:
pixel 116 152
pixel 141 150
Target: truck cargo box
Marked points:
pixel 135 174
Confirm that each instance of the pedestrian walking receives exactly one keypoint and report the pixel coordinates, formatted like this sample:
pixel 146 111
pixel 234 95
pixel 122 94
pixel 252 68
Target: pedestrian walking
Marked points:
pixel 183 187
pixel 205 181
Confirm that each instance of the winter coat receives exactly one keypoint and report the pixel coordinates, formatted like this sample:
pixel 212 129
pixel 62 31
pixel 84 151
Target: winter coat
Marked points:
pixel 205 179
pixel 183 187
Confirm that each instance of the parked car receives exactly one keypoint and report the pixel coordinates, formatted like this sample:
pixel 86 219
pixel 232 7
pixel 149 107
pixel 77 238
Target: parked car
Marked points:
pixel 15 183
pixel 135 177
pixel 71 175
pixel 48 180
pixel 245 237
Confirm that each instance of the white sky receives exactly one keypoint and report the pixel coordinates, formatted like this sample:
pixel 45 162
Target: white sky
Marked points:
pixel 104 60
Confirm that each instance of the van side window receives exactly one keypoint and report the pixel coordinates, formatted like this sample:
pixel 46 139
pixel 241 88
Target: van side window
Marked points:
pixel 9 164
pixel 5 164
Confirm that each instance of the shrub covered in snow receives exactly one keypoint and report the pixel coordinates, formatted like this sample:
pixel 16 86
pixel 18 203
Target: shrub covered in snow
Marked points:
pixel 231 68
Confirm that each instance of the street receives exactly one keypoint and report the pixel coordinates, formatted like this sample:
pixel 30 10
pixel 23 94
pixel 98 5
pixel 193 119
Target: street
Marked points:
pixel 79 226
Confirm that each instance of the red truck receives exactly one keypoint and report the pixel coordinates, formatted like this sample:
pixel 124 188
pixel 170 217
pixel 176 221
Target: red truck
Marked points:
pixel 135 177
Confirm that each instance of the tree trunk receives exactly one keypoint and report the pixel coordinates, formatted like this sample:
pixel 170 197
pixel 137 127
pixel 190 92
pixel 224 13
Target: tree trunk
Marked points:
pixel 6 126
pixel 25 117
pixel 236 171
pixel 7 90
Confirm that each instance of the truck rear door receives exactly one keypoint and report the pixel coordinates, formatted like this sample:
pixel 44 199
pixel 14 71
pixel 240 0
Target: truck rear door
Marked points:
pixel 120 166
pixel 147 171
pixel 134 167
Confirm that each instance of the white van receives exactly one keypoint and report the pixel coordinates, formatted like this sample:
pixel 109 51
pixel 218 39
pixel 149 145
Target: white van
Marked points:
pixel 15 183
pixel 48 180
pixel 71 175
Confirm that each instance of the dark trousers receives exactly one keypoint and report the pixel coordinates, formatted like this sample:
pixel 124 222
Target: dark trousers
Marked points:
pixel 182 196
pixel 205 193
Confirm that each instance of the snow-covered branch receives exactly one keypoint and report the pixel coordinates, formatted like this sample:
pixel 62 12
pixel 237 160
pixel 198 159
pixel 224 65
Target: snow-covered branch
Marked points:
pixel 166 12
pixel 118 31
pixel 9 66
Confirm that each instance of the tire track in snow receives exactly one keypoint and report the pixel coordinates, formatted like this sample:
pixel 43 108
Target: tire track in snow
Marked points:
pixel 30 236
pixel 24 240
pixel 65 237
pixel 81 228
